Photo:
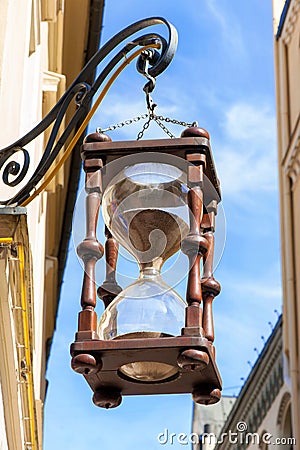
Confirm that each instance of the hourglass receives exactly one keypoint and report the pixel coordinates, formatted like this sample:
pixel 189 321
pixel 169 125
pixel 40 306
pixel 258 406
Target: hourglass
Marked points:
pixel 160 198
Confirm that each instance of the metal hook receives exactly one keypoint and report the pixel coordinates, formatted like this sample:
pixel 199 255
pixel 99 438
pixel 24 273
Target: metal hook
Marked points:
pixel 150 105
pixel 146 56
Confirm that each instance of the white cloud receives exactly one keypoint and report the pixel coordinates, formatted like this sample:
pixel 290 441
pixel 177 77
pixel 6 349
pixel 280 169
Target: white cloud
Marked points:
pixel 247 156
pixel 229 27
pixel 254 290
pixel 248 121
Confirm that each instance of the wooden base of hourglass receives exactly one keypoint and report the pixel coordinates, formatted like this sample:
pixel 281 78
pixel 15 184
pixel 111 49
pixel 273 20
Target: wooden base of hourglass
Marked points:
pixel 192 353
pixel 202 381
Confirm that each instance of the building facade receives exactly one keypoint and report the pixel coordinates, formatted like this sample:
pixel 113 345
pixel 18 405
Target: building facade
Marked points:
pixel 208 422
pixel 287 72
pixel 43 45
pixel 261 415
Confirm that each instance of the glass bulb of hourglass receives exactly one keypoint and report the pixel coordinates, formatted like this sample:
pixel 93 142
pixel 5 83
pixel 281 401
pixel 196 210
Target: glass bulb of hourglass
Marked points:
pixel 145 209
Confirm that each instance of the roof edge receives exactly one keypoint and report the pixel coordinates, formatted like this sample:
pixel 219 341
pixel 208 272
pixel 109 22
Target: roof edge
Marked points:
pixel 282 18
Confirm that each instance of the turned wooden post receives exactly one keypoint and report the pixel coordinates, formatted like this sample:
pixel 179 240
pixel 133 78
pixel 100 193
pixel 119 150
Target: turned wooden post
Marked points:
pixel 90 250
pixel 110 288
pixel 210 287
pixel 194 245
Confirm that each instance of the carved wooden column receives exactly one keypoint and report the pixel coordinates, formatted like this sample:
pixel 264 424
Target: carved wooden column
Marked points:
pixel 90 251
pixel 210 287
pixel 194 246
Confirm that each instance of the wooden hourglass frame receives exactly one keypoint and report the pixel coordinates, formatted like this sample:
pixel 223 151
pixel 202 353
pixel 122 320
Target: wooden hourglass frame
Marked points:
pixel 193 352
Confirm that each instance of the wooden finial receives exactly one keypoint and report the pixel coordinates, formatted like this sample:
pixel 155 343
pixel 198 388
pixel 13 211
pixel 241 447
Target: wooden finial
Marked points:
pixel 195 132
pixel 96 137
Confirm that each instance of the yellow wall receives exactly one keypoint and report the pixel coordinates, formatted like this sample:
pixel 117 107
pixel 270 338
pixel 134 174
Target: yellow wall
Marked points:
pixel 42 47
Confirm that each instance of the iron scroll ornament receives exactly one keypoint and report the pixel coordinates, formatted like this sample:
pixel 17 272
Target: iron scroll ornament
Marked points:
pixel 13 172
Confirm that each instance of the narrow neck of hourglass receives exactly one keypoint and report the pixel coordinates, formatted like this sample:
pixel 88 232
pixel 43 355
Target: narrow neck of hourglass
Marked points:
pixel 151 269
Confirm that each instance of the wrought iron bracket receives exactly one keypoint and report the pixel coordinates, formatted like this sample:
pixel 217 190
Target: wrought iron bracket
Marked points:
pixel 14 172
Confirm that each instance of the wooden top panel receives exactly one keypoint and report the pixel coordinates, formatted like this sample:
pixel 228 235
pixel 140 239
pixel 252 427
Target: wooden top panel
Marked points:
pixel 180 147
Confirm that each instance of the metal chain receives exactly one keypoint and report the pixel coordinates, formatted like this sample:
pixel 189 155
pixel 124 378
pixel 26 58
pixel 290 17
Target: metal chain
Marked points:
pixel 122 124
pixel 163 127
pixel 159 119
pixel 146 125
pixel 178 122
pixel 148 88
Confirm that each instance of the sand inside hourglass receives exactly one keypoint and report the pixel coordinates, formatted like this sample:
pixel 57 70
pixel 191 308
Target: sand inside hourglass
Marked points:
pixel 152 233
pixel 142 335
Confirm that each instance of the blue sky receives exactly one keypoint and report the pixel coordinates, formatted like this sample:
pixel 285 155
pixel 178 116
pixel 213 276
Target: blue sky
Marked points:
pixel 221 76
